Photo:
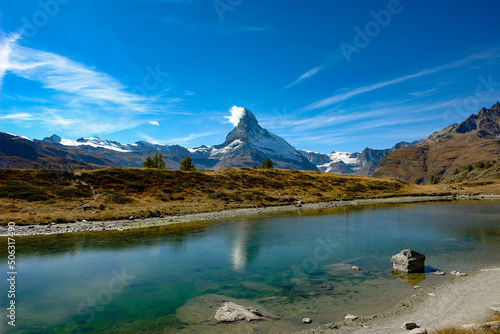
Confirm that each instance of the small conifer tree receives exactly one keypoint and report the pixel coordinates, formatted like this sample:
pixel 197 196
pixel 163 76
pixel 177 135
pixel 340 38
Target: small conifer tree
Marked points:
pixel 187 164
pixel 267 164
pixel 155 162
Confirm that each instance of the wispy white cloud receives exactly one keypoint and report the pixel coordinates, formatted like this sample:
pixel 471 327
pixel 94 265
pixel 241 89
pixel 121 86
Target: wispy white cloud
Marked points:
pixel 175 141
pixel 349 94
pixel 82 99
pixel 18 98
pixel 188 93
pixel 331 61
pixel 187 139
pixel 235 30
pixel 488 54
pixel 63 75
pixel 6 42
pixel 407 119
pixel 77 122
pixel 20 116
pixel 154 123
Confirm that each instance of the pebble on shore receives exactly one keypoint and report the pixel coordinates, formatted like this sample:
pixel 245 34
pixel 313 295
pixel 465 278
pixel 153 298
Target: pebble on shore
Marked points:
pixel 351 317
pixel 409 325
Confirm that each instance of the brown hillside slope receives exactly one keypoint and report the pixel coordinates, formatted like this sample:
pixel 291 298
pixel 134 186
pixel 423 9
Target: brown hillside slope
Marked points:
pixel 475 139
pixel 41 196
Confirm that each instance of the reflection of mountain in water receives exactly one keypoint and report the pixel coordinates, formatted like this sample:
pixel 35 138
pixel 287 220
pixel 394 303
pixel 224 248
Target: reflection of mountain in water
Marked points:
pixel 246 245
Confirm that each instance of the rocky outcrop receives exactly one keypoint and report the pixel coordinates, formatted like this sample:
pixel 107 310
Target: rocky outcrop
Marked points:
pixel 409 261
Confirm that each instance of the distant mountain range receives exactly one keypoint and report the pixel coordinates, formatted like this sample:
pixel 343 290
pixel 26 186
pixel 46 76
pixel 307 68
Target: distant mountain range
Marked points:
pixel 363 163
pixel 247 144
pixel 477 138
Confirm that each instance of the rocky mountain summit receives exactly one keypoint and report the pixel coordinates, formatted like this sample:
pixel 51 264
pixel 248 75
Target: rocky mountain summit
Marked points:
pixel 248 144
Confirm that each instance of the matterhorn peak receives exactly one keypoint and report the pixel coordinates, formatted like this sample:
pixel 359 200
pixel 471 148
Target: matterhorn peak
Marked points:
pixel 246 126
pixel 241 115
pixel 248 144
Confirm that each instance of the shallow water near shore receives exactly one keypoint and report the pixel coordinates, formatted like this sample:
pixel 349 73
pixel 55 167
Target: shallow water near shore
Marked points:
pixel 292 265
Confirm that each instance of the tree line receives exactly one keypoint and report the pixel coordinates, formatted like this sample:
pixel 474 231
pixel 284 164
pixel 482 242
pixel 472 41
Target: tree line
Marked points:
pixel 187 164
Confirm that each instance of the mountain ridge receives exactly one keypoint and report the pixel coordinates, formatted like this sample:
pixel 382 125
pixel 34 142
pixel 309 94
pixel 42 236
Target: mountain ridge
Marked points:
pixel 475 139
pixel 456 146
pixel 360 163
pixel 246 145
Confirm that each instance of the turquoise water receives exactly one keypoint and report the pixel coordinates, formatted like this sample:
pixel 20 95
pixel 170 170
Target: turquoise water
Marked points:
pixel 293 266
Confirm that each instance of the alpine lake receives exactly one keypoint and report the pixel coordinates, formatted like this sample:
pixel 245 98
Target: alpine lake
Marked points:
pixel 172 279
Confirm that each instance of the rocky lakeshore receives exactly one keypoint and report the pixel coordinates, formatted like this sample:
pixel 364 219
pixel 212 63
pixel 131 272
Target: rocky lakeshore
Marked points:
pixel 461 302
pixel 144 222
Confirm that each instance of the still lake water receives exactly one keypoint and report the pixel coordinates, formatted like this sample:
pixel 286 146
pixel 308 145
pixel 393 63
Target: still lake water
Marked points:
pixel 292 265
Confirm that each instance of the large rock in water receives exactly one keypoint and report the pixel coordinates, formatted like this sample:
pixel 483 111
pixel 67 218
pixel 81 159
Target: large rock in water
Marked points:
pixel 409 261
pixel 231 312
pixel 200 310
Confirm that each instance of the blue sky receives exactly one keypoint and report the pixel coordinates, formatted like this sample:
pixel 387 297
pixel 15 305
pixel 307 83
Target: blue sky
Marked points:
pixel 325 75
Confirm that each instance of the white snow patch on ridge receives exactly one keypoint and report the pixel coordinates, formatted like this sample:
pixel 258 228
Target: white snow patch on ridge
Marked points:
pixel 344 157
pixel 94 142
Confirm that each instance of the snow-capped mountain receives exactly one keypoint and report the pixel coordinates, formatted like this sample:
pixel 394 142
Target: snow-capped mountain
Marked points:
pixel 363 163
pixel 92 141
pixel 127 155
pixel 247 144
pixel 335 162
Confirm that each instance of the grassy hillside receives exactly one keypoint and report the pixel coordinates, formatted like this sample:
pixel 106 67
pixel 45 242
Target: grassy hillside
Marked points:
pixel 41 196
pixel 418 164
pixel 34 196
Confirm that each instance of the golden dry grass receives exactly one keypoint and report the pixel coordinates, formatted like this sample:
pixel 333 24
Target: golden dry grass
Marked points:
pixel 493 324
pixel 30 196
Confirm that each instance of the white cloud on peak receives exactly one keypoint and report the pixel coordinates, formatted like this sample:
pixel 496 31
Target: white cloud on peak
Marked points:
pixel 236 114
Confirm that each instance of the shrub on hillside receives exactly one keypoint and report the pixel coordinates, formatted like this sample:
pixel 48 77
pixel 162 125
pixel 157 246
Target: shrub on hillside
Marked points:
pixel 117 198
pixel 479 164
pixel 74 192
pixel 135 186
pixel 23 190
